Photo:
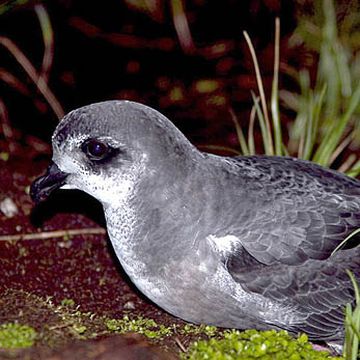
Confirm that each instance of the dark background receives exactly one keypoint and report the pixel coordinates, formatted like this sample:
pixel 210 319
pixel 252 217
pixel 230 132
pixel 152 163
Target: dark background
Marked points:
pixel 115 50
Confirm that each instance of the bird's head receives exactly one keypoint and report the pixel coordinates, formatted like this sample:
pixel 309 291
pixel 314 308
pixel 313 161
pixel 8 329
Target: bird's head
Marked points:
pixel 104 149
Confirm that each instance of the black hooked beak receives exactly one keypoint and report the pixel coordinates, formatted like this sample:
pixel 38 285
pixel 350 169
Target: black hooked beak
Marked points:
pixel 43 186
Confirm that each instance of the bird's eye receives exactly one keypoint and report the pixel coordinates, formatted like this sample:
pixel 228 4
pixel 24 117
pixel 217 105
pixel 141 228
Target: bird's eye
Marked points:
pixel 96 149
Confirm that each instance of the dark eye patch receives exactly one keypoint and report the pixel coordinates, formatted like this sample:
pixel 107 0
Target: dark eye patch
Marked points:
pixel 98 151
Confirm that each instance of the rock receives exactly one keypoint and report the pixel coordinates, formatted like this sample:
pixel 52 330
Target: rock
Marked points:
pixel 8 207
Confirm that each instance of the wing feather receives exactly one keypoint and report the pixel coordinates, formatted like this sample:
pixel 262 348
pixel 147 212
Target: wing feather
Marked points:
pixel 291 210
pixel 316 291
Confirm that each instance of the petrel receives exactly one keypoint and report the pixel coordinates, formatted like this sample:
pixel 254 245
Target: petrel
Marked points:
pixel 236 242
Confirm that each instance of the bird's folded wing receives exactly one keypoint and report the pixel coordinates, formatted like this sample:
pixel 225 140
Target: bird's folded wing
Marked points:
pixel 295 229
pixel 315 292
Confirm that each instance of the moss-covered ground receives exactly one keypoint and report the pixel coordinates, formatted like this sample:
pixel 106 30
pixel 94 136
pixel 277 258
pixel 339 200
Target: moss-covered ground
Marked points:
pixel 38 328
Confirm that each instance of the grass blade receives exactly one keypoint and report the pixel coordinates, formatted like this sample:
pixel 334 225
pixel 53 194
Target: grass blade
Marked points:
pixel 345 241
pixel 265 133
pixel 265 114
pixel 352 323
pixel 315 104
pixel 348 163
pixel 251 140
pixel 240 135
pixel 332 138
pixel 48 39
pixel 33 75
pixel 355 170
pixel 275 115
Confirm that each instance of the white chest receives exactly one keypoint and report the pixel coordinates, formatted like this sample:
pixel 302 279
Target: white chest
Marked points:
pixel 121 226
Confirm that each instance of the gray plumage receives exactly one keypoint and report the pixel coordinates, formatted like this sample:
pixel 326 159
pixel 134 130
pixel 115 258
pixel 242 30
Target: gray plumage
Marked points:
pixel 237 242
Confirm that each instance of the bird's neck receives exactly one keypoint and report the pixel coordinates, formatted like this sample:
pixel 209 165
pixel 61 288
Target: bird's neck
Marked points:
pixel 160 221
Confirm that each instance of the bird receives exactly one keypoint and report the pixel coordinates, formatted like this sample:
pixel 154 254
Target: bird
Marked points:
pixel 235 242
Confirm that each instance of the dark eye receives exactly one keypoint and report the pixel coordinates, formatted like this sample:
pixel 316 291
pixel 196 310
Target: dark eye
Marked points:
pixel 96 149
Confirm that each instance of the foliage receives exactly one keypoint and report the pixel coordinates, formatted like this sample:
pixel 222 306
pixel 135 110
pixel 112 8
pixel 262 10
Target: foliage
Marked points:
pixel 67 302
pixel 202 329
pixel 327 113
pixel 13 336
pixel 352 324
pixel 148 327
pixel 253 344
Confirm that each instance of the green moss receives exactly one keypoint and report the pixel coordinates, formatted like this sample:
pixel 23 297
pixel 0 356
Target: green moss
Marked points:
pixel 252 344
pixel 4 156
pixel 80 329
pixel 206 86
pixel 148 327
pixel 80 324
pixel 176 94
pixel 190 329
pixel 67 302
pixel 13 335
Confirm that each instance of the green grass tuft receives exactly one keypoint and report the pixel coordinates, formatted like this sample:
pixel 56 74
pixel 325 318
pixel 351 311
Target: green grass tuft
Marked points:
pixel 327 113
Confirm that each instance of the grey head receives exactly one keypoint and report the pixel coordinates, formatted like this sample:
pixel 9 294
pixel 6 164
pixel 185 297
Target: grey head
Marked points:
pixel 105 148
